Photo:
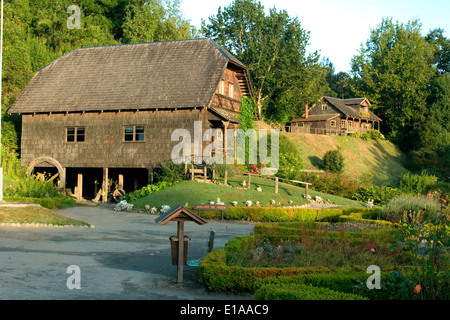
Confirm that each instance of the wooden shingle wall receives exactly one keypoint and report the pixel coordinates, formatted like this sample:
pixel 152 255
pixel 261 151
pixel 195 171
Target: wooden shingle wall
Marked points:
pixel 104 146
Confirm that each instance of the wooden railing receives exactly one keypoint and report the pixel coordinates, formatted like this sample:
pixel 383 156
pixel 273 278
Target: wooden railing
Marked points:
pixel 277 179
pixel 296 129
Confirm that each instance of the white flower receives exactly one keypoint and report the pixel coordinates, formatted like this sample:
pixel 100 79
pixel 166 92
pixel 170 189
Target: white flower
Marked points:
pixel 234 203
pixel 248 203
pixel 164 208
pixel 272 202
pixel 259 189
pixel 211 203
pixel 123 206
pixel 218 200
pixel 147 207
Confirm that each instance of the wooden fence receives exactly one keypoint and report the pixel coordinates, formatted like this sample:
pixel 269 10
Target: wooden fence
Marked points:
pixel 306 129
pixel 277 179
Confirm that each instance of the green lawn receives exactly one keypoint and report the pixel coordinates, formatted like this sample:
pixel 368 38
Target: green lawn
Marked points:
pixel 35 214
pixel 192 192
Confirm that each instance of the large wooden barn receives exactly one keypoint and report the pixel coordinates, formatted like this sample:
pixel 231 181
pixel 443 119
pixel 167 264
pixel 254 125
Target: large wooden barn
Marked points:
pixel 107 113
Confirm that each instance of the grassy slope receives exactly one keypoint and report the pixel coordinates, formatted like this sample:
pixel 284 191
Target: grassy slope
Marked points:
pixel 35 214
pixel 378 161
pixel 197 192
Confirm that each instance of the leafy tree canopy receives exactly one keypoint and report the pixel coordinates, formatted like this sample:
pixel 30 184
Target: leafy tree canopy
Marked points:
pixel 393 71
pixel 273 46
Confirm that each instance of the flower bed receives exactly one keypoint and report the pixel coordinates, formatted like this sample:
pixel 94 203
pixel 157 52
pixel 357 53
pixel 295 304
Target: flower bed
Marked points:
pixel 302 261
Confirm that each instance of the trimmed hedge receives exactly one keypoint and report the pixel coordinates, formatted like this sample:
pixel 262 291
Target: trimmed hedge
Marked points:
pixel 218 276
pixel 275 232
pixel 345 281
pixel 292 291
pixel 355 218
pixel 309 283
pixel 264 214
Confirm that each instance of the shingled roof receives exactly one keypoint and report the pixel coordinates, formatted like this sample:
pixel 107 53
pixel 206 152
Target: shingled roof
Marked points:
pixel 163 75
pixel 345 106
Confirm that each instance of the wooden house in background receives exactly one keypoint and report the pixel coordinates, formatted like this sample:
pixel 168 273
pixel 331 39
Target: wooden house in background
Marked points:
pixel 107 113
pixel 336 116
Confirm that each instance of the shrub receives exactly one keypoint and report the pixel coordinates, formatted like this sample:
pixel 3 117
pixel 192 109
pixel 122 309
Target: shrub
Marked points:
pixel 262 214
pixel 218 276
pixel 365 136
pixel 375 135
pixel 290 161
pixel 30 186
pixel 332 183
pixel 333 161
pixel 410 209
pixel 425 247
pixel 439 187
pixel 291 291
pixel 147 190
pixel 170 172
pixel 380 195
pixel 345 281
pixel 417 183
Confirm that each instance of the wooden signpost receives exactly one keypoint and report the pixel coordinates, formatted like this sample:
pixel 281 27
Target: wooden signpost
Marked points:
pixel 180 214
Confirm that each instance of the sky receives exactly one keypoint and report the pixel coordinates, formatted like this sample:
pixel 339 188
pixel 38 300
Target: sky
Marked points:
pixel 338 28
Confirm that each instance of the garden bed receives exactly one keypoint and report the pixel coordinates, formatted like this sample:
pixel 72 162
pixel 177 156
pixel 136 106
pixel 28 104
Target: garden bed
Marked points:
pixel 317 260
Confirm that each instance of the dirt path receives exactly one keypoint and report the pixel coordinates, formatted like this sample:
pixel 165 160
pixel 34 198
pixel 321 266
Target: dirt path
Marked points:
pixel 126 256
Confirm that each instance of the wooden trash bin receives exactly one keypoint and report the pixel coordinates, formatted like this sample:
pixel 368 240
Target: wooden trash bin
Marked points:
pixel 174 249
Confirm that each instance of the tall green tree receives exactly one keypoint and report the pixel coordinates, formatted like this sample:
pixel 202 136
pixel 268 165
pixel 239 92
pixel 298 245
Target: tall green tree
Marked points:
pixel 393 70
pixel 442 49
pixel 155 20
pixel 36 33
pixel 273 46
pixel 434 138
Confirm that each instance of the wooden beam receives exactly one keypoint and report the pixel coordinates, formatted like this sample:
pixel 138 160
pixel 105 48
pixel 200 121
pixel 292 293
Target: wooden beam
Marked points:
pixel 180 234
pixel 79 191
pixel 120 180
pixel 105 187
pixel 276 184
